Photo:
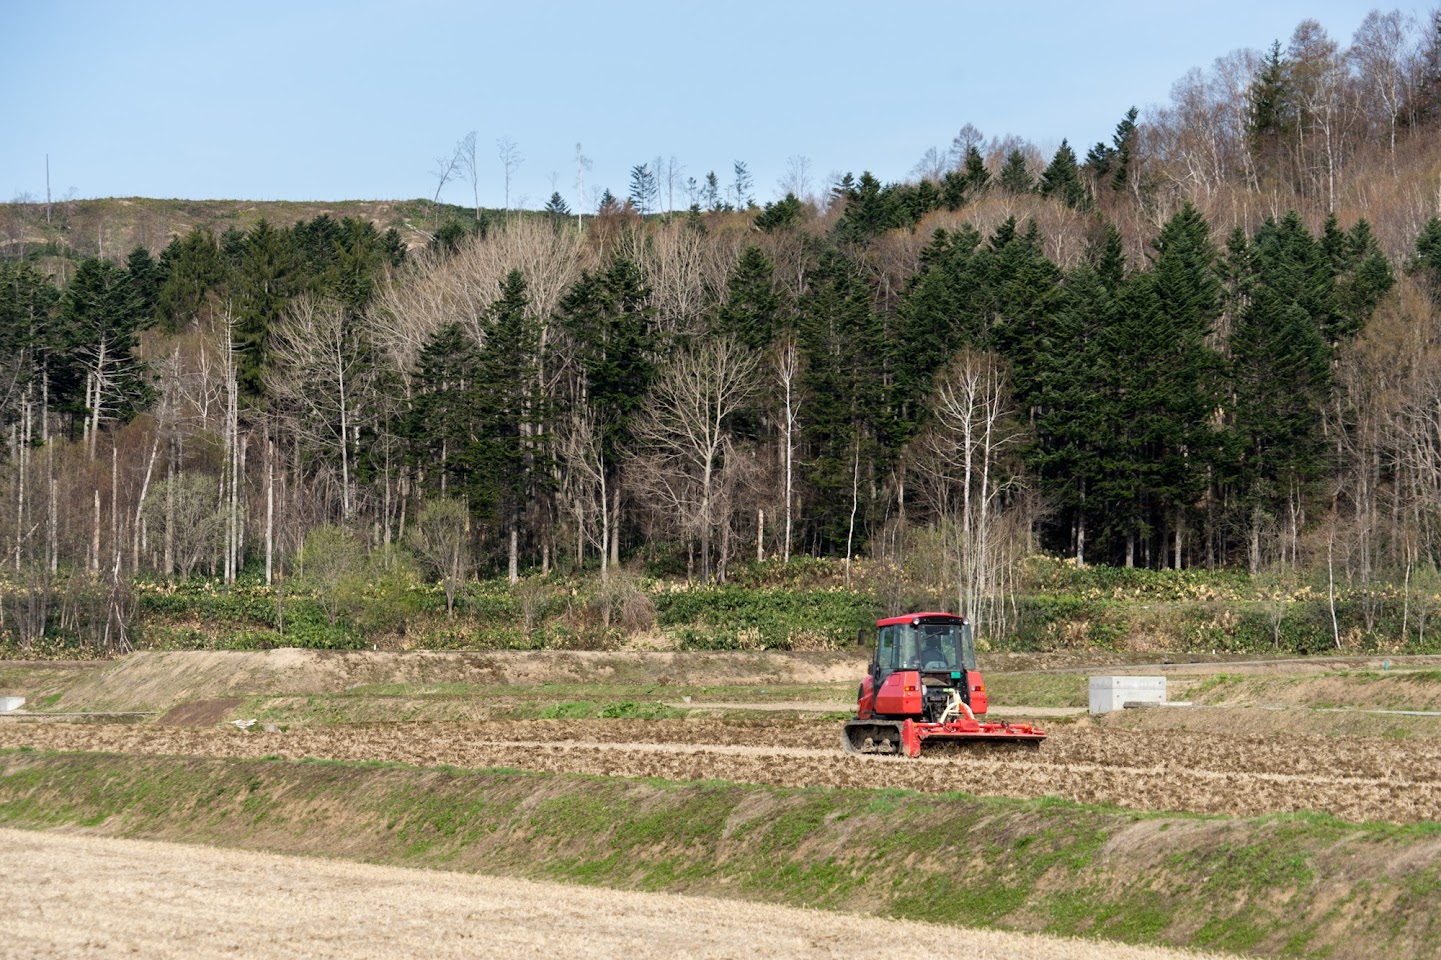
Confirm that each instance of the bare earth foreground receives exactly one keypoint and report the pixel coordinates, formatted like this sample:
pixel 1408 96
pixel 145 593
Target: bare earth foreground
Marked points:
pixel 82 896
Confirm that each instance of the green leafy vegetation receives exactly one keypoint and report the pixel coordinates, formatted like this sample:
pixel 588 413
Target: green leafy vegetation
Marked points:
pixel 802 606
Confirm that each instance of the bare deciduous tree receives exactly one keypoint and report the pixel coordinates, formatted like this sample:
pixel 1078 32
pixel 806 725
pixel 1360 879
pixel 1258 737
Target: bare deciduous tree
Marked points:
pixel 684 269
pixel 960 462
pixel 788 364
pixel 1383 50
pixel 583 486
pixel 684 429
pixel 670 178
pixel 966 138
pixel 318 376
pixel 582 164
pixel 932 165
pixel 188 501
pixel 797 179
pixel 1319 80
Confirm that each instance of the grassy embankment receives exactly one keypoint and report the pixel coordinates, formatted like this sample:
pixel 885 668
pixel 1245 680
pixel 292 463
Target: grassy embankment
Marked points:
pixel 1292 885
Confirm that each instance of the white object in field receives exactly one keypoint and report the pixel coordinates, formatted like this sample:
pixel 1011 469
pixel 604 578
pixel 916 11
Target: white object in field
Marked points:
pixel 10 704
pixel 1113 693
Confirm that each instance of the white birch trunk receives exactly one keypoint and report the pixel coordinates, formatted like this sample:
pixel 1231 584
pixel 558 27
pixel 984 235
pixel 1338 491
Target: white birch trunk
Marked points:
pixel 140 505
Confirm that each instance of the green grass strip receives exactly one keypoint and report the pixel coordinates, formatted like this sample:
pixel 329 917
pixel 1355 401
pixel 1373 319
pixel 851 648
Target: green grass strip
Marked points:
pixel 1277 885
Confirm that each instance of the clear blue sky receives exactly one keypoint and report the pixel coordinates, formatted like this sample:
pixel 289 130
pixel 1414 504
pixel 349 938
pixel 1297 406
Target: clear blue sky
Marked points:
pixel 307 100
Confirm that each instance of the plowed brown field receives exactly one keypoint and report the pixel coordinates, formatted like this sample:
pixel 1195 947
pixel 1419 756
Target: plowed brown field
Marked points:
pixel 1356 779
pixel 189 902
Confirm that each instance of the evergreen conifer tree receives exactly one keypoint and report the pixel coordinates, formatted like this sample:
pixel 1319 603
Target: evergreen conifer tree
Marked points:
pixel 193 270
pixel 1271 119
pixel 743 187
pixel 1364 277
pixel 1111 261
pixel 267 277
pixel 780 214
pixel 1075 410
pixel 503 456
pixel 1062 179
pixel 394 246
pixel 557 207
pixel 1427 264
pixel 100 315
pixel 711 193
pixel 870 211
pixel 1027 297
pixel 842 340
pixel 1166 387
pixel 609 318
pixel 1014 175
pixel 953 190
pixel 1280 372
pixel 32 341
pixel 1100 161
pixel 643 189
pixel 441 426
pixel 945 306
pixel 977 177
pixel 752 311
pixel 1124 141
pixel 145 279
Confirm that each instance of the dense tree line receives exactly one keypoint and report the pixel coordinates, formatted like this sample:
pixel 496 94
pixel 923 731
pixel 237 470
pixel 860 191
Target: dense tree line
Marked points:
pixel 993 356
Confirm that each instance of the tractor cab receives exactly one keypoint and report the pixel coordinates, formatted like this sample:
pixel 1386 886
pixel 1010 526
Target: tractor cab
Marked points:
pixel 931 643
pixel 920 660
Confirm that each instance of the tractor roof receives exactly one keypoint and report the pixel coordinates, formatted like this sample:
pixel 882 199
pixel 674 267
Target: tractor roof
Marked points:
pixel 931 617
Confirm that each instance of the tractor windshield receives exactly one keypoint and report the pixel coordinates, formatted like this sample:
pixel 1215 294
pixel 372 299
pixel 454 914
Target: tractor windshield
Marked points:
pixel 929 647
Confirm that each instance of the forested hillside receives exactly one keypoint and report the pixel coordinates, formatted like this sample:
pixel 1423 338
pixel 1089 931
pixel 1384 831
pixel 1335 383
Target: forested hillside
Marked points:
pixel 1212 339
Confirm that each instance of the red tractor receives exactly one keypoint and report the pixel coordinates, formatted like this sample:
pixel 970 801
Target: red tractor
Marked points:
pixel 924 685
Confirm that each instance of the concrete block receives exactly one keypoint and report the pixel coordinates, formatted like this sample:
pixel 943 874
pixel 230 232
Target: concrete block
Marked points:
pixel 11 704
pixel 1113 693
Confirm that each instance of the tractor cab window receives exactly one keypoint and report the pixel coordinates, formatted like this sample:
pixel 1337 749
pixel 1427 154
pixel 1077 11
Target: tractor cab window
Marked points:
pixel 935 647
pixel 886 649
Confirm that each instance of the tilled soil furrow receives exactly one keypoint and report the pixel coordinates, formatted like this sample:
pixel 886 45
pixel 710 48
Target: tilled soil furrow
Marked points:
pixel 1352 778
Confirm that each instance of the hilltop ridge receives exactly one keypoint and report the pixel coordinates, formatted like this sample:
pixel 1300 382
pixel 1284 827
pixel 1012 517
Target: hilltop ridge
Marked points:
pixel 113 226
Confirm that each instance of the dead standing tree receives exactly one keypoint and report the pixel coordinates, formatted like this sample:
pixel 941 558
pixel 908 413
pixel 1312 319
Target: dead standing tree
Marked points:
pixel 466 151
pixel 444 170
pixel 509 152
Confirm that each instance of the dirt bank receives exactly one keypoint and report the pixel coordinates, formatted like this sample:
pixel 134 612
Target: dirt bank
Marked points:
pixel 158 681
